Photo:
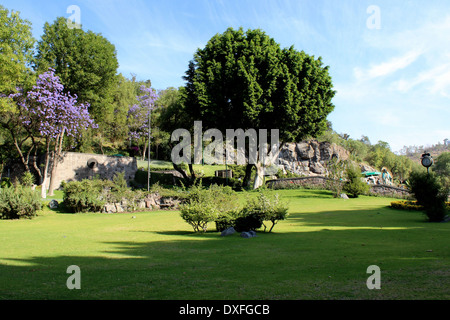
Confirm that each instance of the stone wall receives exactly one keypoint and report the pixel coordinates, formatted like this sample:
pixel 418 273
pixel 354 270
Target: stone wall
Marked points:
pixel 152 201
pixel 389 191
pixel 74 166
pixel 320 182
pixel 316 181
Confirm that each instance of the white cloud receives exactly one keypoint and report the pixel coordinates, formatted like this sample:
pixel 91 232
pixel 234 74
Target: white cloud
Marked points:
pixel 394 64
pixel 435 81
pixel 387 67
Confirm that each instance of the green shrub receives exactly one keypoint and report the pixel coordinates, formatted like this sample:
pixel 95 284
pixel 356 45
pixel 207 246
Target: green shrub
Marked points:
pixel 173 192
pixel 226 220
pixel 86 195
pixel 19 202
pixel 234 183
pixel 27 179
pixel 213 204
pixel 6 182
pixel 265 207
pixel 141 177
pixel 198 214
pixel 406 205
pixel 430 194
pixel 248 222
pixel 354 185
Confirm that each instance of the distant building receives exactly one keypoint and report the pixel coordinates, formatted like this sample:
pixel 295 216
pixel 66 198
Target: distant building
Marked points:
pixel 446 142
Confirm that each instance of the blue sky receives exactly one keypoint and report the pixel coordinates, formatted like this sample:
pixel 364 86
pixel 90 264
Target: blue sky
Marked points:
pixel 389 60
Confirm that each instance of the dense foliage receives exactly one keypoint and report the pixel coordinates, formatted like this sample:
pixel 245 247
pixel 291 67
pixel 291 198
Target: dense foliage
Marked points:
pixel 430 194
pixel 220 205
pixel 375 155
pixel 354 185
pixel 206 205
pixel 19 201
pixel 246 80
pixel 85 61
pixel 92 195
pixel 265 207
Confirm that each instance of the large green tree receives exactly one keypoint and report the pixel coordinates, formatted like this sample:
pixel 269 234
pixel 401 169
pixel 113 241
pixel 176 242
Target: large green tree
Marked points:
pixel 16 51
pixel 86 63
pixel 246 80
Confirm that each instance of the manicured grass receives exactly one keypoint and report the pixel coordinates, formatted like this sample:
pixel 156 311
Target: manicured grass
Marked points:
pixel 322 251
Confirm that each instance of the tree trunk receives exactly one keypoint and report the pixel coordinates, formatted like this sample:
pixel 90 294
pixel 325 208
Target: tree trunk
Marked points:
pixel 22 158
pixel 56 158
pixel 191 170
pixel 264 167
pixel 183 173
pixel 35 166
pixel 248 175
pixel 259 177
pixel 145 150
pixel 45 175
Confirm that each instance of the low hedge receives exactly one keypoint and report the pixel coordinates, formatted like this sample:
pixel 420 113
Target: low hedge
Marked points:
pixel 411 205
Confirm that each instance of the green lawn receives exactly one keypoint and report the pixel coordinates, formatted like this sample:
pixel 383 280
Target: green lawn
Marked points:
pixel 322 251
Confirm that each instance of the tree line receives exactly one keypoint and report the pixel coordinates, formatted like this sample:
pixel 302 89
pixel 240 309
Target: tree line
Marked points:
pixel 240 79
pixel 63 92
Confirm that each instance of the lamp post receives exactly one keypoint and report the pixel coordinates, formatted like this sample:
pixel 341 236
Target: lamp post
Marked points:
pixel 148 160
pixel 427 161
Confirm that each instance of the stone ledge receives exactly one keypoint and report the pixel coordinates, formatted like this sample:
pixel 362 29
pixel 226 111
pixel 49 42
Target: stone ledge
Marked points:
pixel 320 181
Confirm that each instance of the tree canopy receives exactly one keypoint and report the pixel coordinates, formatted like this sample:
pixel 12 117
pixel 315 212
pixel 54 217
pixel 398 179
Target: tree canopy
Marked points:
pixel 16 51
pixel 86 62
pixel 246 80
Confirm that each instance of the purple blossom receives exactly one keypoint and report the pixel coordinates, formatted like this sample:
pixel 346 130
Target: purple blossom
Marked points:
pixel 138 114
pixel 54 111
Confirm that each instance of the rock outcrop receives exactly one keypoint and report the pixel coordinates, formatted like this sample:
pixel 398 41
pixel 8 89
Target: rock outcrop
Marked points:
pixel 309 158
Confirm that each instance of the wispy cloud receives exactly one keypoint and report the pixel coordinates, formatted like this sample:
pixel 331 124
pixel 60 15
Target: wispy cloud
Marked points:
pixel 388 67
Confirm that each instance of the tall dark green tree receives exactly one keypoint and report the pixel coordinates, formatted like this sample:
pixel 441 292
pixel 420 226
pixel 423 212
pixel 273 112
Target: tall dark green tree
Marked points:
pixel 86 63
pixel 246 80
pixel 16 52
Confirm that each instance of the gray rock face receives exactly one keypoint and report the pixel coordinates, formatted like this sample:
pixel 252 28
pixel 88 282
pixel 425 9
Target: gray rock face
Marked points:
pixel 309 157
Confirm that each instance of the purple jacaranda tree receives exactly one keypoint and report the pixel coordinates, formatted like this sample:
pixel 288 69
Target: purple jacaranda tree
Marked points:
pixel 54 115
pixel 138 116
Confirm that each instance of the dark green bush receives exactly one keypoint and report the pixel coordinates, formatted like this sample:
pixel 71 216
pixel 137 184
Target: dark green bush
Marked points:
pixel 6 182
pixel 19 202
pixel 354 185
pixel 248 222
pixel 86 195
pixel 225 220
pixel 430 194
pixel 234 183
pixel 141 177
pixel 212 204
pixel 265 207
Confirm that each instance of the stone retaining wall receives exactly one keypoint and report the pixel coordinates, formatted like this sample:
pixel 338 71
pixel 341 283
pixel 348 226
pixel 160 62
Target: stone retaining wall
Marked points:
pixel 320 182
pixel 74 166
pixel 151 202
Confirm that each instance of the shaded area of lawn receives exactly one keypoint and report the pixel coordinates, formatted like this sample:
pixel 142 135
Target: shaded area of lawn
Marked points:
pixel 315 254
